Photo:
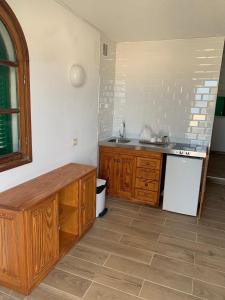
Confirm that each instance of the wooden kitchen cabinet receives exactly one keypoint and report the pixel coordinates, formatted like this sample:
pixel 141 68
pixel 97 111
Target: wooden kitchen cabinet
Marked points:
pixel 126 166
pixel 109 171
pixel 12 263
pixel 43 238
pixel 41 220
pixel 118 170
pixel 88 203
pixel 131 174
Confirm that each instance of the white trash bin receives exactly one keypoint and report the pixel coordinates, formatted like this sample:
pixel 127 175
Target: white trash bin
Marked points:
pixel 100 196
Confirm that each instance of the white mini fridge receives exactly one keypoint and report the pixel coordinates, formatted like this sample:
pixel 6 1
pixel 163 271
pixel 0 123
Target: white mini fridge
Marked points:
pixel 182 184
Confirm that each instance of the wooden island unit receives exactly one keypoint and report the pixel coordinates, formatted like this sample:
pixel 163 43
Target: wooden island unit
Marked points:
pixel 40 220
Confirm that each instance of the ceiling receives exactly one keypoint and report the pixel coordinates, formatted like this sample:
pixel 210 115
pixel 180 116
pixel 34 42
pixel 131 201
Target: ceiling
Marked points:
pixel 142 20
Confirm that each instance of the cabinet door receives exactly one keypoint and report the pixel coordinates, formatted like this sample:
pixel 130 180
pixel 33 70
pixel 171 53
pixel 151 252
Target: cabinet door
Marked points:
pixel 88 202
pixel 12 250
pixel 126 166
pixel 108 170
pixel 43 240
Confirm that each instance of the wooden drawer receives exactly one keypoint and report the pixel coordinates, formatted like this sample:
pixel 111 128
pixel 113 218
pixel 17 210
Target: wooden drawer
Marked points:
pixel 147 184
pixel 146 196
pixel 148 173
pixel 148 163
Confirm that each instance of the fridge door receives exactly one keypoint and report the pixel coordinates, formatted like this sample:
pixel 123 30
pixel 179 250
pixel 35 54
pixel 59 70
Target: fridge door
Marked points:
pixel 182 184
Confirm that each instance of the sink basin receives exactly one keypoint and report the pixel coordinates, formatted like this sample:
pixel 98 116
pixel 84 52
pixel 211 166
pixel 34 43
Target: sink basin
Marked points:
pixel 119 140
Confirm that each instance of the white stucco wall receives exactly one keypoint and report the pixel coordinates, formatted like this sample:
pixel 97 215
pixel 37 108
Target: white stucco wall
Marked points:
pixel 57 39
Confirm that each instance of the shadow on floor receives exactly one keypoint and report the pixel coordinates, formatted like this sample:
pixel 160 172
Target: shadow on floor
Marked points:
pixel 216 165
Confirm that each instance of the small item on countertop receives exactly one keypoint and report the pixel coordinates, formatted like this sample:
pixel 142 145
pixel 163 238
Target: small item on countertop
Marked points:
pixel 153 140
pixel 159 140
pixel 165 139
pixel 146 133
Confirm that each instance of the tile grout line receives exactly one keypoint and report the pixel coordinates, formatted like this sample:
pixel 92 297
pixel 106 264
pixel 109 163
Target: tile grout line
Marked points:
pixel 160 254
pixel 97 282
pixel 84 295
pixel 58 290
pixel 150 262
pixel 139 294
pixel 107 259
pixel 164 223
pixel 122 235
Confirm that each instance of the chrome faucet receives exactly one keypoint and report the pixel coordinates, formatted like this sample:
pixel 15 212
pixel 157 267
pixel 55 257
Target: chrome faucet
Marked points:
pixel 123 133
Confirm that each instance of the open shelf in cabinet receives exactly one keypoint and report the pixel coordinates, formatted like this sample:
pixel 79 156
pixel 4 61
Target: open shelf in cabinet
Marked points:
pixel 66 240
pixel 68 202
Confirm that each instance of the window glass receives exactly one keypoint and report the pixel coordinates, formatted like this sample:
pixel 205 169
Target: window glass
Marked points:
pixel 8 133
pixel 8 87
pixel 7 51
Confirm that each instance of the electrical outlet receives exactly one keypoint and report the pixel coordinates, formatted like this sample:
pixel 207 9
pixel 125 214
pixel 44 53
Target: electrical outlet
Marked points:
pixel 74 141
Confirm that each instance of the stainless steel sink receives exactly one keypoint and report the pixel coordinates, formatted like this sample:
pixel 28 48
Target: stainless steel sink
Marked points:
pixel 119 140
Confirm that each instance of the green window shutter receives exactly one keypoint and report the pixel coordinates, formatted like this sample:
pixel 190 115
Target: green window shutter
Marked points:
pixel 5 119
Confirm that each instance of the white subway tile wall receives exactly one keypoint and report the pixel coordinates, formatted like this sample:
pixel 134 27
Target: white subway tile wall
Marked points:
pixel 168 85
pixel 106 93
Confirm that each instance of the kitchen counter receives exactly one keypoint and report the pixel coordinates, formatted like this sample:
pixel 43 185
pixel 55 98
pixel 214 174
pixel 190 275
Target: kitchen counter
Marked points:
pixel 171 148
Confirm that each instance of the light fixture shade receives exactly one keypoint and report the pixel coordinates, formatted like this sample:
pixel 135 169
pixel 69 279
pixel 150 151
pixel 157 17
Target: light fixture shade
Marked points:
pixel 77 75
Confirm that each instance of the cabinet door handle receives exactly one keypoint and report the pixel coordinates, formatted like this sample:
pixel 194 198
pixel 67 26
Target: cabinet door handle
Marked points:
pixel 146 184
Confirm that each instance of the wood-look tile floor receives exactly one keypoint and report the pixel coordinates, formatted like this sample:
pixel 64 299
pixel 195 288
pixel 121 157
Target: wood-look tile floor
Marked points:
pixel 138 252
pixel 217 165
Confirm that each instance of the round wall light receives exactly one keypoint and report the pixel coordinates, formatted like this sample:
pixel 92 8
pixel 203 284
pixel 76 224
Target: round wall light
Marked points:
pixel 77 75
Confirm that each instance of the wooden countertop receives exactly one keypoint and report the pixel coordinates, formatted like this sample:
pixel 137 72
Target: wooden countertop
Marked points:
pixel 27 194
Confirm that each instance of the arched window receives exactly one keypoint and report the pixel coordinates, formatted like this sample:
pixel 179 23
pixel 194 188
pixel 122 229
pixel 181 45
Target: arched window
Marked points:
pixel 15 124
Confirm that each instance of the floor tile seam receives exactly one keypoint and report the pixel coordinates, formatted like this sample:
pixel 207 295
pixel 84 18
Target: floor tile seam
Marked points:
pixel 150 262
pixel 164 223
pixel 210 283
pixel 87 246
pixel 97 282
pixel 147 221
pixel 114 254
pixel 138 211
pixel 10 295
pixel 214 221
pixel 177 237
pixel 115 205
pixel 86 260
pixel 88 289
pixel 207 244
pixel 196 265
pixel 135 276
pixel 120 239
pixel 166 218
pixel 107 259
pixel 131 221
pixel 149 252
pixel 206 226
pixel 116 231
pixel 139 295
pixel 174 289
pixel 185 230
pixel 106 267
pixel 213 229
pixel 196 242
pixel 212 237
pixel 161 231
pixel 58 290
pixel 214 209
pixel 158 253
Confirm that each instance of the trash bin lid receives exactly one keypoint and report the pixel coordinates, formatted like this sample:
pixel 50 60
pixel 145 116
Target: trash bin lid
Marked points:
pixel 100 182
